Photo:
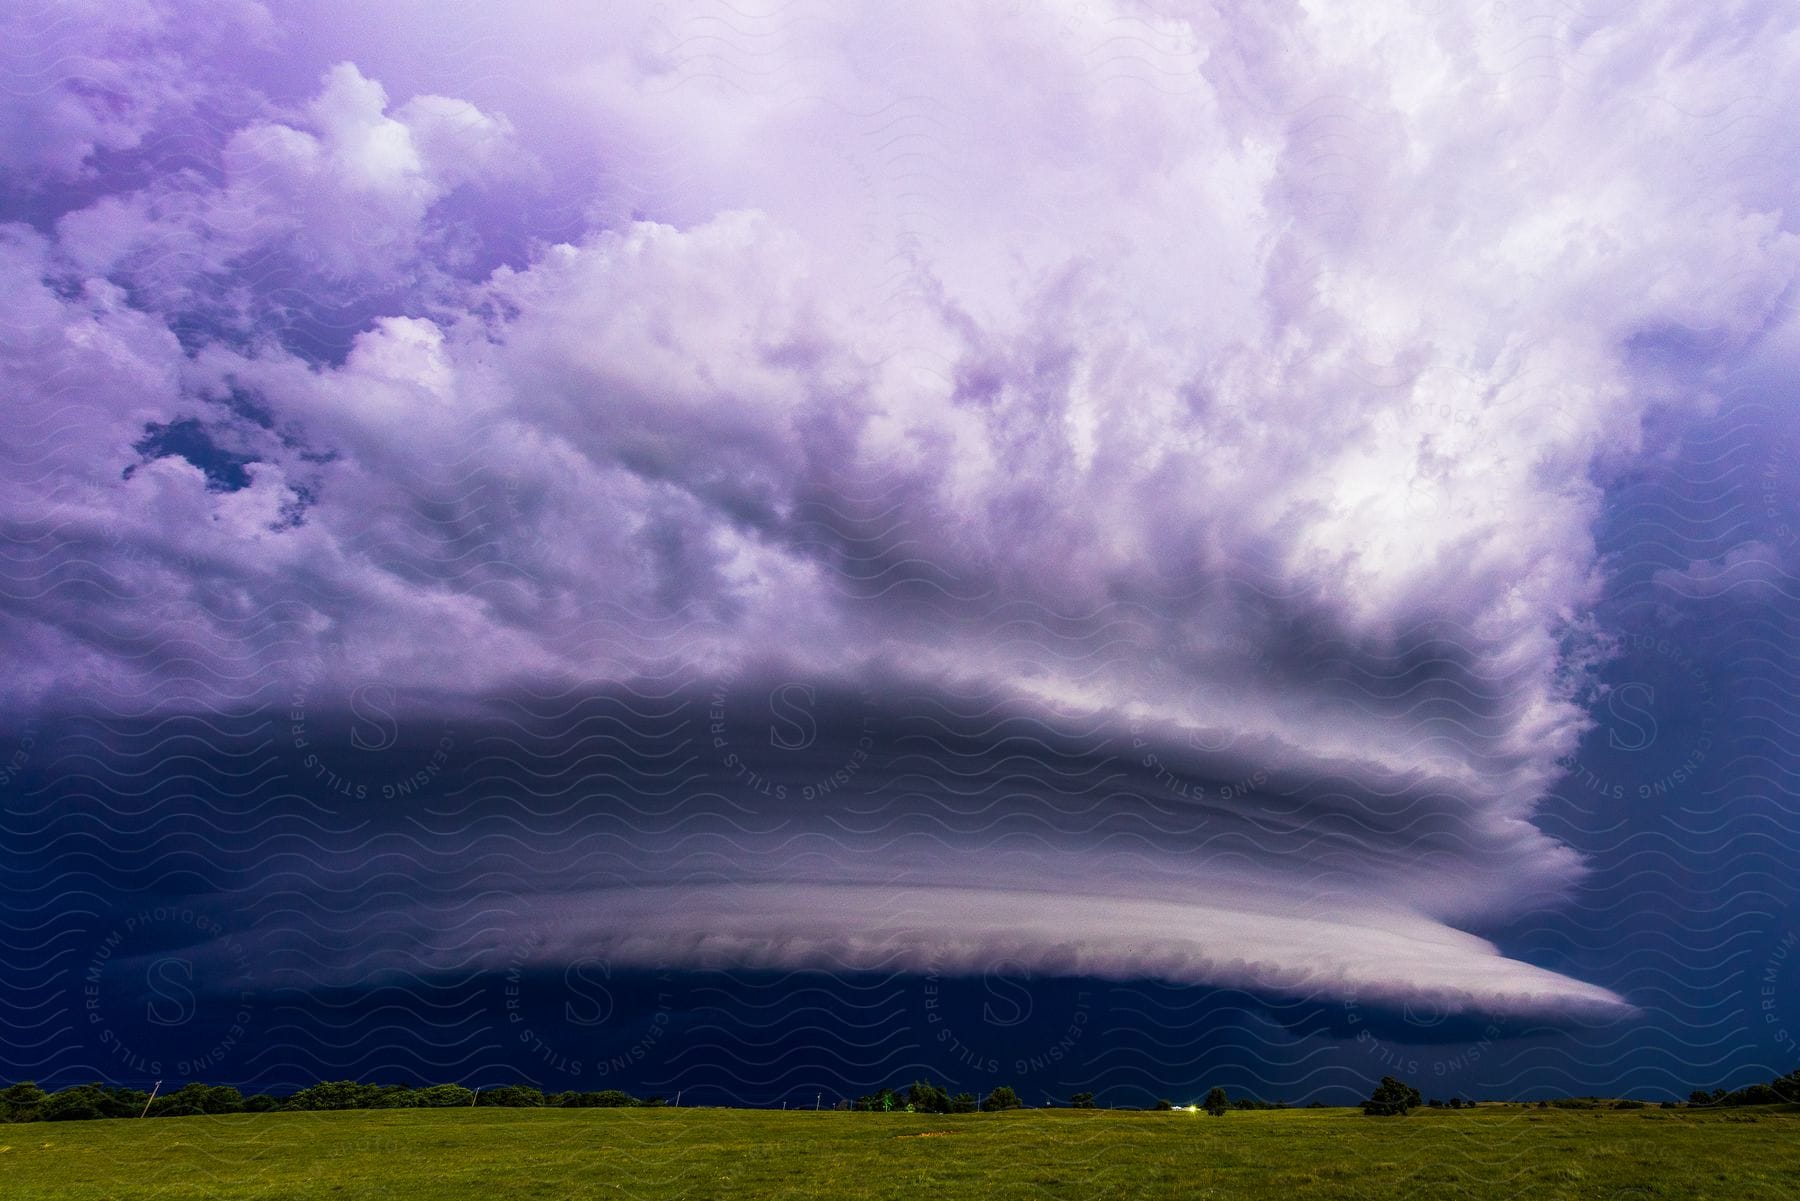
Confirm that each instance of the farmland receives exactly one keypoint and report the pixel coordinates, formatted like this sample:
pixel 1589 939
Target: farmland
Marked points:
pixel 1488 1152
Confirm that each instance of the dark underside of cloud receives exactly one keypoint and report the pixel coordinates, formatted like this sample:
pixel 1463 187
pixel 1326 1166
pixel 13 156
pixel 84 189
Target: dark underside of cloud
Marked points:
pixel 777 824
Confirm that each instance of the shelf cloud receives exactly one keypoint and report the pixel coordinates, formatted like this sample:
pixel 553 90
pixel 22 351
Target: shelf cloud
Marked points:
pixel 1132 473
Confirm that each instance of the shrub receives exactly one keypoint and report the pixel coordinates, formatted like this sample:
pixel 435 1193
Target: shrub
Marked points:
pixel 19 1102
pixel 394 1096
pixel 925 1097
pixel 334 1094
pixel 1165 1103
pixel 964 1103
pixel 512 1096
pixel 443 1096
pixel 191 1100
pixel 1391 1098
pixel 1001 1098
pixel 1754 1094
pixel 1257 1103
pixel 71 1105
pixel 882 1101
pixel 123 1102
pixel 84 1102
pixel 606 1098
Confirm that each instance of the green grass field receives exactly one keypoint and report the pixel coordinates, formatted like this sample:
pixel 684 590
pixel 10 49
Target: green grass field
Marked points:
pixel 1492 1152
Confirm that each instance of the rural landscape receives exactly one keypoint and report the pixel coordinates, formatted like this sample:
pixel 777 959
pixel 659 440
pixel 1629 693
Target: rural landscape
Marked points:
pixel 1109 600
pixel 1485 1152
pixel 345 1140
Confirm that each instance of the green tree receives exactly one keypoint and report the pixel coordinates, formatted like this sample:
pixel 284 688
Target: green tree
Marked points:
pixel 964 1103
pixel 1215 1103
pixel 926 1097
pixel 1001 1098
pixel 194 1099
pixel 334 1094
pixel 881 1101
pixel 606 1098
pixel 444 1096
pixel 123 1102
pixel 1391 1098
pixel 394 1096
pixel 513 1096
pixel 19 1102
pixel 1165 1103
pixel 1082 1101
pixel 78 1104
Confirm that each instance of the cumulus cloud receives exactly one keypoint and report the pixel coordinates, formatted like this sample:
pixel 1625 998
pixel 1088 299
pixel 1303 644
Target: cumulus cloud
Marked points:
pixel 337 200
pixel 354 183
pixel 1241 390
pixel 83 77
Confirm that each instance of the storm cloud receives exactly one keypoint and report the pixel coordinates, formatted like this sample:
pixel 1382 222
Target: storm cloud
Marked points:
pixel 1128 477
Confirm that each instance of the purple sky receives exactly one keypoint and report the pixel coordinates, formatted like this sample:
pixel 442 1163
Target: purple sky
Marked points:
pixel 1242 392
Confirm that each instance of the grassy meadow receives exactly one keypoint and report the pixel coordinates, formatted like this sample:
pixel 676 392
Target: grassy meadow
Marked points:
pixel 1490 1152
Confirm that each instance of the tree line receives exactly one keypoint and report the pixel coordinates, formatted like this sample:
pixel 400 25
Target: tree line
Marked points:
pixel 922 1096
pixel 1395 1097
pixel 1781 1089
pixel 26 1102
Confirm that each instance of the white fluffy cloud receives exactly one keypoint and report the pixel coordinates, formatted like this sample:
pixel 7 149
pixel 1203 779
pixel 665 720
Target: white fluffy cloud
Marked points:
pixel 86 76
pixel 339 194
pixel 353 183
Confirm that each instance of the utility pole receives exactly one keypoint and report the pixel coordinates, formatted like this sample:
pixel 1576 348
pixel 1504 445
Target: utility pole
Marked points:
pixel 677 1098
pixel 816 1099
pixel 153 1091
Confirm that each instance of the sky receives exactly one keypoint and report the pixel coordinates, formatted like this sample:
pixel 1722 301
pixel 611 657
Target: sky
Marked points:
pixel 763 553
